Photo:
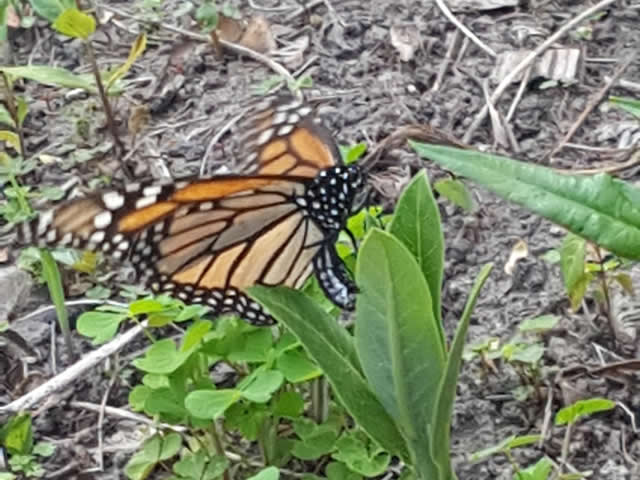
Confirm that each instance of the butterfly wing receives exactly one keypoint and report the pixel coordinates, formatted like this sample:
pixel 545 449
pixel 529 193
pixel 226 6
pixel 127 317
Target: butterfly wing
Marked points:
pixel 203 241
pixel 283 136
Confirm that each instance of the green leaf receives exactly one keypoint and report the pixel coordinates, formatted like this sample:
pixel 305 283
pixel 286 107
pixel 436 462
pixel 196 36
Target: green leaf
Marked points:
pixel 351 154
pixel 581 408
pixel 454 191
pixel 195 334
pixel 75 24
pixel 631 105
pixel 200 466
pixel 5 116
pixel 264 384
pixel 289 404
pixel 269 473
pixel 339 471
pixel 330 346
pixel 51 274
pixel 210 404
pixel 17 435
pixel 165 401
pixel 416 223
pixel 504 446
pixel 162 357
pixel 56 77
pixel 539 324
pixel 44 449
pixel 528 354
pixel 572 260
pixel 99 326
pixel 137 49
pixel 317 440
pixel 254 348
pixel 397 337
pixel 51 9
pixel 361 457
pixel 539 471
pixel 207 16
pixel 156 449
pixel 599 208
pixel 297 367
pixel 446 392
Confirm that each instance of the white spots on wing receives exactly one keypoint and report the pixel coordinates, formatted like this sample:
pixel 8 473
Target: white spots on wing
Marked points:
pixel 279 118
pixel 152 191
pixel 265 136
pixel 289 106
pixel 131 187
pixel 97 237
pixel 123 245
pixel 102 220
pixel 66 239
pixel 294 118
pixel 117 238
pixel 145 201
pixel 205 206
pixel 304 111
pixel 285 130
pixel 113 200
pixel 51 236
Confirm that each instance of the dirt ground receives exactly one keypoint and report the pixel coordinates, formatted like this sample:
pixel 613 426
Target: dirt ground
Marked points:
pixel 193 95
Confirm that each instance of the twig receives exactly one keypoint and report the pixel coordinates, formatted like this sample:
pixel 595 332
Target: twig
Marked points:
pixel 216 139
pixel 107 108
pixel 71 303
pixel 293 15
pixel 103 405
pixel 452 18
pixel 521 89
pixel 593 102
pixel 632 162
pixel 73 372
pixel 625 83
pixel 448 59
pixel 506 81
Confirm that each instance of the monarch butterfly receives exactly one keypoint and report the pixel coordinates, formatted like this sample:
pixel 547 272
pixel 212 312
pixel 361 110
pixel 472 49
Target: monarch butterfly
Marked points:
pixel 205 240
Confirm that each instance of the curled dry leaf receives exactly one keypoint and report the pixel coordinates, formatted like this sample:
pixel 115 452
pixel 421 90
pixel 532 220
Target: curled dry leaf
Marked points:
pixel 520 250
pixel 258 36
pixel 230 29
pixel 405 39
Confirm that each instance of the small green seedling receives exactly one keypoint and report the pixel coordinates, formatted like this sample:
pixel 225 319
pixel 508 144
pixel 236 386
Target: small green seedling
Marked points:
pixel 505 447
pixel 16 437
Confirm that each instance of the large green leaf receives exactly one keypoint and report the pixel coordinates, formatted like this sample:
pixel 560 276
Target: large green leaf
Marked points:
pixel 416 223
pixel 599 208
pixel 447 388
pixel 398 338
pixel 56 77
pixel 332 349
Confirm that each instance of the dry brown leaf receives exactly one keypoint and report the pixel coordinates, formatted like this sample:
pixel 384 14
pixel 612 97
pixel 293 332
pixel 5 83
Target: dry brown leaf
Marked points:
pixel 230 29
pixel 405 39
pixel 258 36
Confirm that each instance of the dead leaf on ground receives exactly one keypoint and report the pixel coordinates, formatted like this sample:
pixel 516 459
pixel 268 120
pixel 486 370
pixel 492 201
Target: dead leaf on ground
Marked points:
pixel 258 36
pixel 230 29
pixel 405 39
pixel 560 64
pixel 519 251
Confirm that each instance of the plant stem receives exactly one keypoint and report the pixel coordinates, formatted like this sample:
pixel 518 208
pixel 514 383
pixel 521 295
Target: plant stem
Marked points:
pixel 217 442
pixel 605 292
pixel 13 110
pixel 107 108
